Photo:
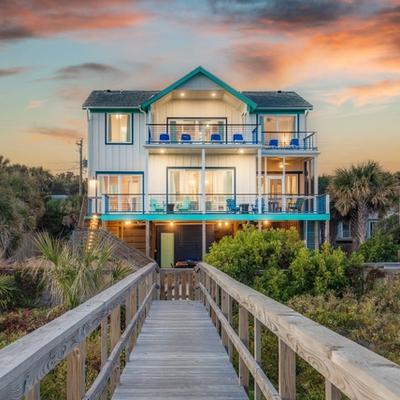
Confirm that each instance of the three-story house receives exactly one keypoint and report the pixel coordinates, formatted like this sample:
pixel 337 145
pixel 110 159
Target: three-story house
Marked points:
pixel 172 171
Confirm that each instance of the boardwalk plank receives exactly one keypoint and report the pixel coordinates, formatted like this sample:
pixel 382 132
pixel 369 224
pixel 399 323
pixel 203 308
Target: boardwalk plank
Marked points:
pixel 179 355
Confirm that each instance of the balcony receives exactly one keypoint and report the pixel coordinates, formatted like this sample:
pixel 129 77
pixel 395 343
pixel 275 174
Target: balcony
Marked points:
pixel 210 204
pixel 229 134
pixel 213 134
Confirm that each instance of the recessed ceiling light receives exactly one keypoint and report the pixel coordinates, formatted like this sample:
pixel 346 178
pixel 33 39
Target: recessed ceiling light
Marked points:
pixel 162 151
pixel 213 94
pixel 241 151
pixel 182 94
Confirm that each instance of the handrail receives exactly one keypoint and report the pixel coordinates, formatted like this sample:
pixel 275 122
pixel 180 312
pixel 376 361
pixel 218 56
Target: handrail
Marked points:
pixel 25 362
pixel 347 367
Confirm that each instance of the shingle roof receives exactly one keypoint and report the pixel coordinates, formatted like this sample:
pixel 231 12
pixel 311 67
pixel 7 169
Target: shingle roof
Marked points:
pixel 279 99
pixel 118 98
pixel 134 98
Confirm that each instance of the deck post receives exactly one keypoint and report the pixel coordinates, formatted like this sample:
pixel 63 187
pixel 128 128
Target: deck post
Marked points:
pixel 327 233
pixel 332 392
pixel 287 371
pixel 316 235
pixel 115 334
pixel 257 353
pixel 244 337
pixel 76 372
pixel 284 184
pixel 34 393
pixel 259 172
pixel 230 312
pixel 203 239
pixel 147 234
pixel 224 309
pixel 203 180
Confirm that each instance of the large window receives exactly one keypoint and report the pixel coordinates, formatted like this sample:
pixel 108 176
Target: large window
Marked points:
pixel 199 129
pixel 124 192
pixel 184 188
pixel 280 127
pixel 119 128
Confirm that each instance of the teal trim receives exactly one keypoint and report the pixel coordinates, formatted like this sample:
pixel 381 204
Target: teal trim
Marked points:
pixel 114 110
pixel 266 111
pixel 251 105
pixel 215 217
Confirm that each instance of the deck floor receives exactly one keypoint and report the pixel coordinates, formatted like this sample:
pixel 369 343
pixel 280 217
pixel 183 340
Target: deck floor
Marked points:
pixel 179 355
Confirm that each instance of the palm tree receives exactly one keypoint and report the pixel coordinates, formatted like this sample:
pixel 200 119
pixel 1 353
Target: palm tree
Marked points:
pixel 360 190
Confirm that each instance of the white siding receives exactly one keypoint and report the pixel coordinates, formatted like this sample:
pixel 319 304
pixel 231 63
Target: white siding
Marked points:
pixel 115 157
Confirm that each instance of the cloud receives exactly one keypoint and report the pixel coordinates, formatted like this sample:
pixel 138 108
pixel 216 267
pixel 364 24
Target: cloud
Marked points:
pixel 374 93
pixel 11 71
pixel 43 18
pixel 75 71
pixel 35 104
pixel 56 133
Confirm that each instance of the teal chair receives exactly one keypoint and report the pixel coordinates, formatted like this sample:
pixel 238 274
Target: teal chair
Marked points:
pixel 154 206
pixel 185 205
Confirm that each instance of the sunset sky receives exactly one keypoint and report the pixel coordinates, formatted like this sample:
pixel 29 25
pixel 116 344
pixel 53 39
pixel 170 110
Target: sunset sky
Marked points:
pixel 343 56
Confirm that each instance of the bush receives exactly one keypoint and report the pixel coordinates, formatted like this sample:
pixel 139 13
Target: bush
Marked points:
pixel 252 251
pixel 380 248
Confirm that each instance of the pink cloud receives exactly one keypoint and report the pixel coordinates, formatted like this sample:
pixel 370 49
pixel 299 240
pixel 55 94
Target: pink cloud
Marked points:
pixel 33 104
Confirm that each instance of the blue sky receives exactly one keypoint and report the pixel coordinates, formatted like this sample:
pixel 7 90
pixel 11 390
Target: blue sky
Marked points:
pixel 343 56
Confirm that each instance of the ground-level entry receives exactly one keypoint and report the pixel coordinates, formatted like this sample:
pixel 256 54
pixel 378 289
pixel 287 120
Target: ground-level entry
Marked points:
pixel 173 241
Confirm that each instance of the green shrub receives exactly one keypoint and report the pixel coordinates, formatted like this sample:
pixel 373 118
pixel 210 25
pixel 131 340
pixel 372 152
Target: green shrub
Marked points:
pixel 380 248
pixel 8 291
pixel 252 251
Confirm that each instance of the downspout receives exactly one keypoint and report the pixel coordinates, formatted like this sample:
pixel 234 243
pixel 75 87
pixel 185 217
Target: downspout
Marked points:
pixel 146 166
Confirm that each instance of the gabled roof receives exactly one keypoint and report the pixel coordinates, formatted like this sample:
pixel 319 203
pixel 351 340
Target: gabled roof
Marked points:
pixel 200 71
pixel 118 98
pixel 278 99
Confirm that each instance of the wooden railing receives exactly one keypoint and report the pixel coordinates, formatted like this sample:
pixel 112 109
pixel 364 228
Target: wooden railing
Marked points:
pixel 347 367
pixel 25 362
pixel 82 236
pixel 178 284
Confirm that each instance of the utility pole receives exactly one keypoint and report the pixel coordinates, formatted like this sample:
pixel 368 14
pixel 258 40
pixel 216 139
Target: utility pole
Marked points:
pixel 79 143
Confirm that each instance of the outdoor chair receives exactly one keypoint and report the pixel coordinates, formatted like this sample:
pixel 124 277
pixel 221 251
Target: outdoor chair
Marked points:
pixel 185 205
pixel 254 206
pixel 273 143
pixel 186 138
pixel 154 206
pixel 237 138
pixel 294 143
pixel 216 138
pixel 164 138
pixel 297 206
pixel 231 206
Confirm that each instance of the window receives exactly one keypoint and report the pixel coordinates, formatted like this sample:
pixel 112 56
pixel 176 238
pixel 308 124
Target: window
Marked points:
pixel 124 192
pixel 372 224
pixel 344 230
pixel 278 127
pixel 119 128
pixel 200 129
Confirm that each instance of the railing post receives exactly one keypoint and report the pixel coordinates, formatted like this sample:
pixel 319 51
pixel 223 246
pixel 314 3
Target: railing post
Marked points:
pixel 230 313
pixel 244 337
pixel 332 392
pixel 34 393
pixel 104 340
pixel 287 371
pixel 115 333
pixel 76 372
pixel 257 353
pixel 224 308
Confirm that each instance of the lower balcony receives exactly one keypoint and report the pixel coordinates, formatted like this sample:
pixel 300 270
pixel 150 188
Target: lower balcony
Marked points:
pixel 214 206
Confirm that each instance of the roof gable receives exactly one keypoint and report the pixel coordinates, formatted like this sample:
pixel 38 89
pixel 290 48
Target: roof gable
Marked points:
pixel 198 72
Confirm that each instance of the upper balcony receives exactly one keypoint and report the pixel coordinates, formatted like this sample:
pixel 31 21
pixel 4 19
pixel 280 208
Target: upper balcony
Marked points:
pixel 223 135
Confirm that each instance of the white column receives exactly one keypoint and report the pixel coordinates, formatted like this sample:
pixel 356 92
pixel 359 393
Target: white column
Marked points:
pixel 146 181
pixel 316 235
pixel 203 238
pixel 203 180
pixel 259 181
pixel 266 184
pixel 284 184
pixel 315 175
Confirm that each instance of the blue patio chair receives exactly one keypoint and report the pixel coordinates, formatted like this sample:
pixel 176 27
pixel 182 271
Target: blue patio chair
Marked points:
pixel 255 206
pixel 298 205
pixel 231 206
pixel 273 143
pixel 164 138
pixel 294 143
pixel 186 138
pixel 216 138
pixel 237 138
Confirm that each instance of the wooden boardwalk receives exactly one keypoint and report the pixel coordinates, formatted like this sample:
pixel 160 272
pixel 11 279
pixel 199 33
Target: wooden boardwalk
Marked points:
pixel 179 355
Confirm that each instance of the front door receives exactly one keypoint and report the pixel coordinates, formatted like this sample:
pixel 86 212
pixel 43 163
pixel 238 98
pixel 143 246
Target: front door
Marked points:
pixel 167 250
pixel 275 191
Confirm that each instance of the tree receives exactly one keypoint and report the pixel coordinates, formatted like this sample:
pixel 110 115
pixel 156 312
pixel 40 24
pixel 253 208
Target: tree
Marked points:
pixel 360 190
